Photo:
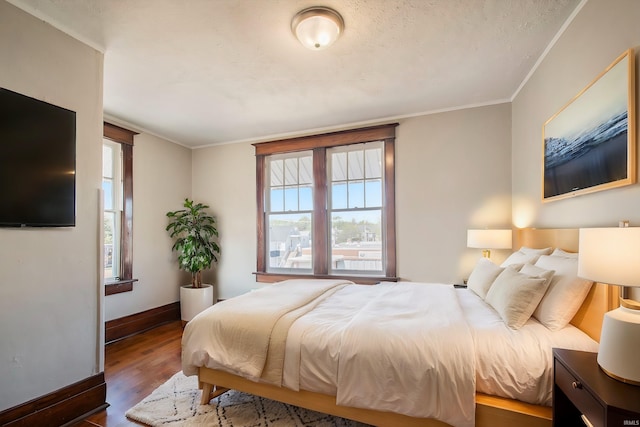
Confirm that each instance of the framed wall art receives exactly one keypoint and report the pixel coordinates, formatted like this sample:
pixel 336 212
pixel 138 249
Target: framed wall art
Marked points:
pixel 590 144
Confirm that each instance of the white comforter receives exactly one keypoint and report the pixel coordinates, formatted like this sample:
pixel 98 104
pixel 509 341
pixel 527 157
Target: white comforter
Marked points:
pixel 406 348
pixel 417 349
pixel 397 347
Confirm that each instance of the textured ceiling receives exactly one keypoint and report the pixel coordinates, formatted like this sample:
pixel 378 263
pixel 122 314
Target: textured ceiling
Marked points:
pixel 202 72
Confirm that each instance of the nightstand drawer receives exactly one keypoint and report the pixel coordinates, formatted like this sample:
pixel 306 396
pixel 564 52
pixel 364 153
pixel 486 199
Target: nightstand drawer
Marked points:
pixel 581 398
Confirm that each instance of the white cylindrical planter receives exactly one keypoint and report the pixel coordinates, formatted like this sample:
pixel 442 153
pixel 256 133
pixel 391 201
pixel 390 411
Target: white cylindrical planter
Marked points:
pixel 194 300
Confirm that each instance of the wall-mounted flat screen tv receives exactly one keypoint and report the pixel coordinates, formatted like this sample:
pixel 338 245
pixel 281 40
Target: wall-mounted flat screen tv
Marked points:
pixel 37 163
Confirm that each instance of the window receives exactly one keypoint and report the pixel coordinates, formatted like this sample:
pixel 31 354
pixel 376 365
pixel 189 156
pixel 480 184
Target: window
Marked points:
pixel 117 186
pixel 326 206
pixel 112 203
pixel 355 208
pixel 289 215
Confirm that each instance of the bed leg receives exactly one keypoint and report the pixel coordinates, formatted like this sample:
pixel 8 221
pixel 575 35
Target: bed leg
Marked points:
pixel 206 393
pixel 209 391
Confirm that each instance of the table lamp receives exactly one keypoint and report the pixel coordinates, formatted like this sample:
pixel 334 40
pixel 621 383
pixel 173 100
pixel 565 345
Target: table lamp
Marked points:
pixel 489 239
pixel 612 256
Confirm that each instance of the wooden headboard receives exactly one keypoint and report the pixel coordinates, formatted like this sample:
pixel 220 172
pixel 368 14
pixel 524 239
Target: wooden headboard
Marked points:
pixel 601 298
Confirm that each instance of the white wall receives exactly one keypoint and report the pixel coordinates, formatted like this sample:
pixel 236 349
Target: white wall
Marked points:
pixel 601 31
pixel 161 182
pixel 224 177
pixel 452 173
pixel 49 288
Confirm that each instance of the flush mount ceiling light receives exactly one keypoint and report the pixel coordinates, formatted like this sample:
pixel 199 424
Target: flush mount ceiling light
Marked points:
pixel 317 27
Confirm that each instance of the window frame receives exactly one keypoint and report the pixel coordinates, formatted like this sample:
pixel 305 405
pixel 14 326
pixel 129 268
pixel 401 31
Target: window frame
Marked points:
pixel 116 203
pixel 125 138
pixel 319 145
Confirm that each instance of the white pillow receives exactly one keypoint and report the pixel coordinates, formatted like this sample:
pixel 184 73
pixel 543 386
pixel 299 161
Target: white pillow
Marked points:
pixel 482 276
pixel 533 271
pixel 520 257
pixel 566 292
pixel 565 254
pixel 544 251
pixel 515 296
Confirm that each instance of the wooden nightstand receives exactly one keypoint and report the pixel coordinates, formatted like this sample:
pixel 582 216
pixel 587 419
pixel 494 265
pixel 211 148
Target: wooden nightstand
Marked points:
pixel 581 389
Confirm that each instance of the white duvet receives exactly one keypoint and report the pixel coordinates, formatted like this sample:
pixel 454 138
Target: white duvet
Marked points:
pixel 417 349
pixel 398 347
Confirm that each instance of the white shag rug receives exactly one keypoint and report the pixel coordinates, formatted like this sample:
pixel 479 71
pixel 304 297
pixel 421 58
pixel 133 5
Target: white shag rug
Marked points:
pixel 177 403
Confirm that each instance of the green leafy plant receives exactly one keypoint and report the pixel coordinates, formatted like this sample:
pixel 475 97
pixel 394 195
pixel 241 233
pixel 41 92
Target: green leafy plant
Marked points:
pixel 194 232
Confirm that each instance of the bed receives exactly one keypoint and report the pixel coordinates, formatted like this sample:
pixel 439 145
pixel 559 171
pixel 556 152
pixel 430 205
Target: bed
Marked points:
pixel 303 368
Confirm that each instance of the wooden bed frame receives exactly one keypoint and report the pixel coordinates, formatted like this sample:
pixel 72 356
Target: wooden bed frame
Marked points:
pixel 491 411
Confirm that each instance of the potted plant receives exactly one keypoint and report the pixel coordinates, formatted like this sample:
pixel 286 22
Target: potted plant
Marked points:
pixel 194 234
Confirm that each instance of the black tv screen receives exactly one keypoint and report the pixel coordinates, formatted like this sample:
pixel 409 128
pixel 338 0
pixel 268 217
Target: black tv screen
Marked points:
pixel 37 163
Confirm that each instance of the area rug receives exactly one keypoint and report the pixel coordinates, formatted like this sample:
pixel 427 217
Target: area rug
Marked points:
pixel 177 403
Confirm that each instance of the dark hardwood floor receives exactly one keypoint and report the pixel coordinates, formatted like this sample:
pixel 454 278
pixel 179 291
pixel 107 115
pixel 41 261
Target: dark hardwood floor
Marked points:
pixel 133 368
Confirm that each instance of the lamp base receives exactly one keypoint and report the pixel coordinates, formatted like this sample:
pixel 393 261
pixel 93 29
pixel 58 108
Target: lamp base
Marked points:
pixel 620 345
pixel 486 253
pixel 615 377
pixel 630 304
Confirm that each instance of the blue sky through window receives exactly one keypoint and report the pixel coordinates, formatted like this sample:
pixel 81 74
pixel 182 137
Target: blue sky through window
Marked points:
pixel 107 188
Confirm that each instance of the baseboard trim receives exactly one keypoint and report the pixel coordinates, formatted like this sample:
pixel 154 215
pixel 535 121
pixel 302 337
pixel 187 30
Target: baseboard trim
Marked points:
pixel 61 406
pixel 123 327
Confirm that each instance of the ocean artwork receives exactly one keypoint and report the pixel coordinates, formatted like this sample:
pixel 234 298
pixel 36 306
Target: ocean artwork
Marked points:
pixel 587 143
pixel 596 157
pixel 559 151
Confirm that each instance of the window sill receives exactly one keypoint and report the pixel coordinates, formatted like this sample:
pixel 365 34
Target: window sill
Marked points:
pixel 364 280
pixel 119 286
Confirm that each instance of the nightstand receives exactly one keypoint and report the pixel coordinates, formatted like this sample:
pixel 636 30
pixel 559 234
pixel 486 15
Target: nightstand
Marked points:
pixel 581 390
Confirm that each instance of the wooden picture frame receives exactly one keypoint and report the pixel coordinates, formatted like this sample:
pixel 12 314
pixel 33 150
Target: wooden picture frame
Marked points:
pixel 590 144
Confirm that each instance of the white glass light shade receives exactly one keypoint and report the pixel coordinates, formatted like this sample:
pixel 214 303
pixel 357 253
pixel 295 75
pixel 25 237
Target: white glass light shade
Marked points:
pixel 612 256
pixel 489 239
pixel 317 27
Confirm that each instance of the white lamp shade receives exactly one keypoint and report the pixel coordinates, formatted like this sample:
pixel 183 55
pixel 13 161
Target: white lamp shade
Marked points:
pixel 489 239
pixel 610 255
pixel 317 27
